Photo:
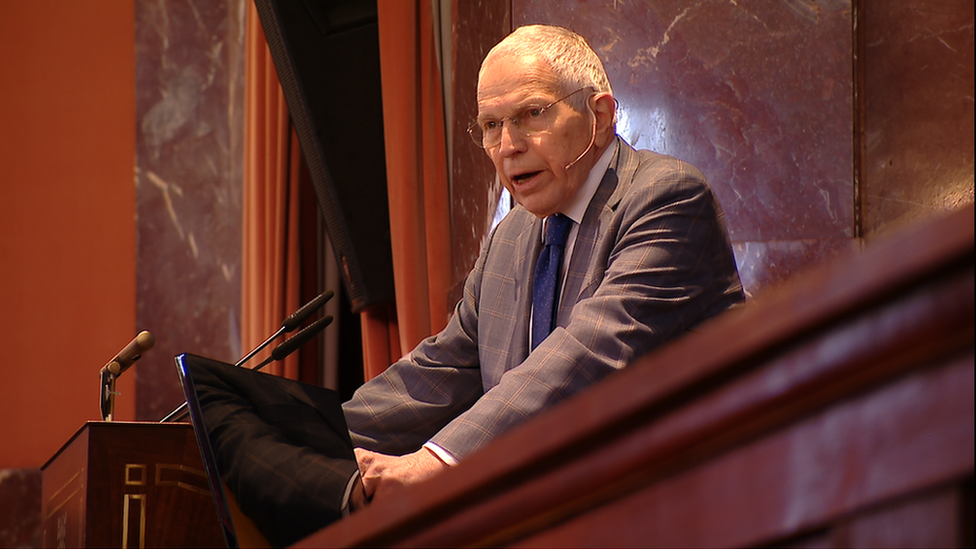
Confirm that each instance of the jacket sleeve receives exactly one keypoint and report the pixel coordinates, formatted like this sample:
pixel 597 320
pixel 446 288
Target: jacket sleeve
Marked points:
pixel 399 410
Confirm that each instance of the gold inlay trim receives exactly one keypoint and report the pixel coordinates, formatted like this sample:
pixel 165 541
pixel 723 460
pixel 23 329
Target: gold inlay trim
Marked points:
pixel 129 468
pixel 127 498
pixel 66 499
pixel 180 469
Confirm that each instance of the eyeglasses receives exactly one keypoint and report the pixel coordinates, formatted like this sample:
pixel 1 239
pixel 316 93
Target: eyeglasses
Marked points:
pixel 529 121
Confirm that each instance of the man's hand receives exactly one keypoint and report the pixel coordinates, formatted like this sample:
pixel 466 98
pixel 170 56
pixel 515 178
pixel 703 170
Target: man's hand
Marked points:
pixel 383 474
pixel 358 499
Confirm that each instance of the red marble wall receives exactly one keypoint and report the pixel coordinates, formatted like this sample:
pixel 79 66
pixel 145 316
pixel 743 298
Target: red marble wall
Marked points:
pixel 760 95
pixel 755 93
pixel 189 182
pixel 20 507
pixel 917 138
pixel 477 25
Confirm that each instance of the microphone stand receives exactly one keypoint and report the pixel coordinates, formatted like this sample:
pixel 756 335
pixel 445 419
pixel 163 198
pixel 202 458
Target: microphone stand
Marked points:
pixel 282 350
pixel 123 360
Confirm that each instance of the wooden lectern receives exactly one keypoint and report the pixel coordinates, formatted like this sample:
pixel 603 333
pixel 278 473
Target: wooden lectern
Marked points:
pixel 125 484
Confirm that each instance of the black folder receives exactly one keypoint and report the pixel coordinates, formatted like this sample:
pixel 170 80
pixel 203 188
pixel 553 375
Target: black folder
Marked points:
pixel 325 401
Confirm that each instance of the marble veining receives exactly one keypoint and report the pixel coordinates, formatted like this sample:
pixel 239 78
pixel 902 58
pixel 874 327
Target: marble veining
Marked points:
pixel 918 145
pixel 755 93
pixel 735 90
pixel 189 187
pixel 478 25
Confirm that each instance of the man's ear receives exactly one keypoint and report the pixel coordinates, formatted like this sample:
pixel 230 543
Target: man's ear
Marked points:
pixel 604 108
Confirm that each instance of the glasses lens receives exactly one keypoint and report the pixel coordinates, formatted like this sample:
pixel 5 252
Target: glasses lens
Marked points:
pixel 486 138
pixel 534 120
pixel 530 121
pixel 477 135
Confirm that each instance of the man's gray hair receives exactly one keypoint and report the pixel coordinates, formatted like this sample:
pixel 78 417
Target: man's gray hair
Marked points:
pixel 573 62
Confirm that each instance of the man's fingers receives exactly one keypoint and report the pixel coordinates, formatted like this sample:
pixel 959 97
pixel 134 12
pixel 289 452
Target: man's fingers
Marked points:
pixel 369 486
pixel 382 474
pixel 367 461
pixel 364 458
pixel 359 499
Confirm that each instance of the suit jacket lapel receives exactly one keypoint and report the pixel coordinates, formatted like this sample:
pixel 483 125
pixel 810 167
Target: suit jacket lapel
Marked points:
pixel 598 214
pixel 528 246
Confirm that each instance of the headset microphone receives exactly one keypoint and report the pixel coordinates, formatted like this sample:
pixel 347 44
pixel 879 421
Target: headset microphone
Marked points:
pixel 588 147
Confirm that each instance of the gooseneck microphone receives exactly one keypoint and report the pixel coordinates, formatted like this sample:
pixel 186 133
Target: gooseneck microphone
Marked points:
pixel 292 344
pixel 289 324
pixel 285 348
pixel 131 353
pixel 123 360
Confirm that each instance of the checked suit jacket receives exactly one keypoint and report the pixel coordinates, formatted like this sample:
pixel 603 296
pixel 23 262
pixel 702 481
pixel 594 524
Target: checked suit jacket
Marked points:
pixel 652 259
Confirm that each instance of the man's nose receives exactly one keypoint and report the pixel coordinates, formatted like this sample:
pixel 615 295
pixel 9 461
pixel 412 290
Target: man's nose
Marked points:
pixel 512 139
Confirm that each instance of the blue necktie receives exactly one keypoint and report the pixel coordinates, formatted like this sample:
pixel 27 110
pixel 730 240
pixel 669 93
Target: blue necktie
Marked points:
pixel 545 285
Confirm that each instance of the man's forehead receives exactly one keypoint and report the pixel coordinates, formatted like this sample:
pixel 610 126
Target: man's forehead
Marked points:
pixel 512 79
pixel 523 94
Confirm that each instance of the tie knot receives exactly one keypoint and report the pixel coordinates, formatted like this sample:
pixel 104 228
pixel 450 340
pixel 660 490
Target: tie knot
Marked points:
pixel 557 229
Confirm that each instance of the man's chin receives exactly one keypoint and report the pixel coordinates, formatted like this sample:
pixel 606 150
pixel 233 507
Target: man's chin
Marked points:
pixel 535 208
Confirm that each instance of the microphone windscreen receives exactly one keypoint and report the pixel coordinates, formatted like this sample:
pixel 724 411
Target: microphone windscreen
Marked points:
pixel 131 352
pixel 301 315
pixel 145 341
pixel 288 347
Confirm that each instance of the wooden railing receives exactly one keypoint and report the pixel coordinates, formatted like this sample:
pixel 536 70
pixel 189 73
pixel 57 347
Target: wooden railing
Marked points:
pixel 838 410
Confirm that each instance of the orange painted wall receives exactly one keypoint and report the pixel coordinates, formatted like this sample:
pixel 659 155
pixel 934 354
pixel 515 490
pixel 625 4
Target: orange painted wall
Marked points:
pixel 67 221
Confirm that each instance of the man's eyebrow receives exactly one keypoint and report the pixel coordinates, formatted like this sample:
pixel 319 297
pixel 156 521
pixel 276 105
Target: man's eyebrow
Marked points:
pixel 520 105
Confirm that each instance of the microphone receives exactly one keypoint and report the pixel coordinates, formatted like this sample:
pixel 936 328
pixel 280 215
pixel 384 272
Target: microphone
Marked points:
pixel 123 360
pixel 295 320
pixel 131 353
pixel 301 315
pixel 588 147
pixel 293 343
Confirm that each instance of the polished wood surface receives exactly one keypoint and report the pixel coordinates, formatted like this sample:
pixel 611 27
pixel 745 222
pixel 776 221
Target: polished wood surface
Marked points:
pixel 122 484
pixel 838 411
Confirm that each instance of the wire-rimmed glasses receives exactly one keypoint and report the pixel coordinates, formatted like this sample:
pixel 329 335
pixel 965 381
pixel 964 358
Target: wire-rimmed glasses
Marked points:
pixel 529 121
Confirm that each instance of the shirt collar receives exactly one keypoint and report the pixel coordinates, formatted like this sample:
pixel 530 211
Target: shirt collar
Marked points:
pixel 577 207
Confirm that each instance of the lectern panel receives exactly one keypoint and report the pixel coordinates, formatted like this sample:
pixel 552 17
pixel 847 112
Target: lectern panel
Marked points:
pixel 120 484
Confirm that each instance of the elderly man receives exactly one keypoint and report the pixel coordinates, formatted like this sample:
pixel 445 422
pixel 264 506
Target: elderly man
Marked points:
pixel 610 253
pixel 647 257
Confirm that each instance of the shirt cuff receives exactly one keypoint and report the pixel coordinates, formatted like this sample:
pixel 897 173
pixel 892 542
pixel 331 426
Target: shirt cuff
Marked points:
pixel 347 497
pixel 441 454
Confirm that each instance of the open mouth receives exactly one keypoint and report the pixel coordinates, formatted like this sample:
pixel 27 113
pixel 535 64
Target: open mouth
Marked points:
pixel 523 177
